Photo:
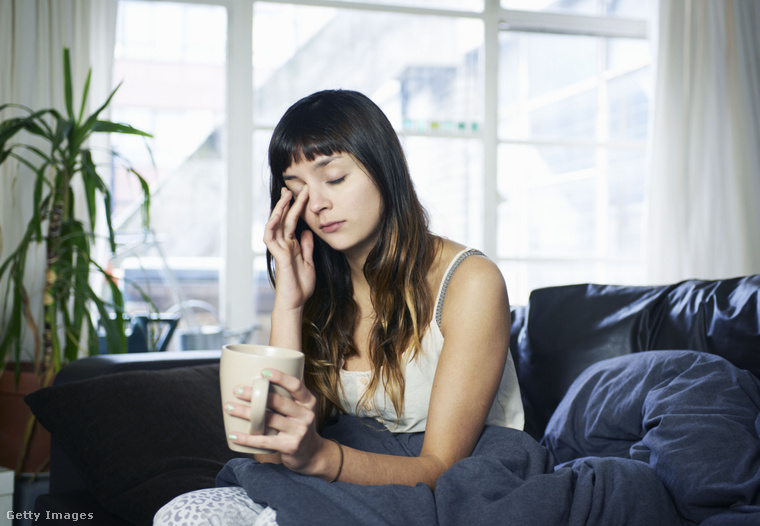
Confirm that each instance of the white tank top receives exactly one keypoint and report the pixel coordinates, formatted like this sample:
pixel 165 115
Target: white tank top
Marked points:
pixel 506 411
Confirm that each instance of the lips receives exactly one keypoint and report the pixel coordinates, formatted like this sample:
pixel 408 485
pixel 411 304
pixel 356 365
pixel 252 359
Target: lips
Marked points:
pixel 331 226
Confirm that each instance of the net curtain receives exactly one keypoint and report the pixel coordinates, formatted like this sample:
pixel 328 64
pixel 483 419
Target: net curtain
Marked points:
pixel 704 183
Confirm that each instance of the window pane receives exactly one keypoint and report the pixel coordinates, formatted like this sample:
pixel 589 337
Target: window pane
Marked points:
pixel 549 201
pixel 261 183
pixel 447 177
pixel 459 5
pixel 627 54
pixel 622 8
pixel 626 203
pixel 630 8
pixel 578 7
pixel 547 86
pixel 540 182
pixel 628 106
pixel 174 88
pixel 264 291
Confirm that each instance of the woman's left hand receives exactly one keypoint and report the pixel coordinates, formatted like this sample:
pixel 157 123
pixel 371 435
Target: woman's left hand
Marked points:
pixel 298 442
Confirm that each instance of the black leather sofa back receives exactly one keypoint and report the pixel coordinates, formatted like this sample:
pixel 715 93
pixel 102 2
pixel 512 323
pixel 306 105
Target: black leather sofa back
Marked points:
pixel 563 330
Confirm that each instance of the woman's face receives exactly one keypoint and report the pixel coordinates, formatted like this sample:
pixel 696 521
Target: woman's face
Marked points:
pixel 344 205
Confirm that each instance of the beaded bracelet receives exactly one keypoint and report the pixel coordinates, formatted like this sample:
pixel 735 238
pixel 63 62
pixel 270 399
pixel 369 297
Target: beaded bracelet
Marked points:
pixel 340 464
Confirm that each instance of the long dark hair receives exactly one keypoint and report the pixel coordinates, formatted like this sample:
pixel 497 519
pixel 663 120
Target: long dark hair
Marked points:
pixel 340 121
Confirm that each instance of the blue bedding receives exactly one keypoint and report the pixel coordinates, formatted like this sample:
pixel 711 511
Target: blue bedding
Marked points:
pixel 661 437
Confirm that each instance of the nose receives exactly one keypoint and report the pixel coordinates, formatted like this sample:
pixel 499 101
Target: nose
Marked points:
pixel 318 201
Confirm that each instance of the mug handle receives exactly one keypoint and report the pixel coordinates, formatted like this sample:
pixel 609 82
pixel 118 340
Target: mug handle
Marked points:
pixel 259 396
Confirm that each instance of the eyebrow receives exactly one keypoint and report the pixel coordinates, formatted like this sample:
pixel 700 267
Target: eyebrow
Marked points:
pixel 320 164
pixel 324 162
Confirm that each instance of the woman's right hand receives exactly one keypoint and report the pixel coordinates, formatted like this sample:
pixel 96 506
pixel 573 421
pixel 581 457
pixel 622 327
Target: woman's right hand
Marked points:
pixel 294 265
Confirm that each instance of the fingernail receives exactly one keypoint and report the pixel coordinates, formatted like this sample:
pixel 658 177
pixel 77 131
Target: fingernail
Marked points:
pixel 238 391
pixel 266 373
pixel 283 190
pixel 229 407
pixel 232 437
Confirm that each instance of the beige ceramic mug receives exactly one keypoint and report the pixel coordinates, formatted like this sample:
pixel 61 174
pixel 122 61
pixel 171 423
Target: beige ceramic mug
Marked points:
pixel 241 364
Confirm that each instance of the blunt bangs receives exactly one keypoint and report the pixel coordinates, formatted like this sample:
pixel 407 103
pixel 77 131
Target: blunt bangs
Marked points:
pixel 297 144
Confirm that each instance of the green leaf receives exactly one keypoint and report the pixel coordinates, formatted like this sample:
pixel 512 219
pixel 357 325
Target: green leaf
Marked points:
pixel 93 338
pixel 116 338
pixel 91 182
pixel 39 126
pixel 85 129
pixel 146 198
pixel 12 333
pixel 71 335
pixel 34 123
pixel 143 184
pixel 84 96
pixel 115 127
pixel 42 155
pixel 109 221
pixel 17 256
pixel 63 128
pixel 14 105
pixel 10 128
pixel 94 180
pixel 67 87
pixel 80 285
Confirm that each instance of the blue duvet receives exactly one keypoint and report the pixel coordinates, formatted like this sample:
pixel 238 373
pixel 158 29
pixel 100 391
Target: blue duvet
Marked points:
pixel 659 437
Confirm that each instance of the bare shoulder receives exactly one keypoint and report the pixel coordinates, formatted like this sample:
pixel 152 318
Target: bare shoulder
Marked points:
pixel 477 274
pixel 476 287
pixel 473 271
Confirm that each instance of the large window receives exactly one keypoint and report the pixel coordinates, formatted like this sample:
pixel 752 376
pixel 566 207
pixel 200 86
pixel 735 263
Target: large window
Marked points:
pixel 524 123
pixel 573 113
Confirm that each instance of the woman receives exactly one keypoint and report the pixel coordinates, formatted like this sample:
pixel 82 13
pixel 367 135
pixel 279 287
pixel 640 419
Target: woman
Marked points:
pixel 370 296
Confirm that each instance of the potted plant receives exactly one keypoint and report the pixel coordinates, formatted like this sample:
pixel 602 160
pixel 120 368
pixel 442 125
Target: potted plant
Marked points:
pixel 56 152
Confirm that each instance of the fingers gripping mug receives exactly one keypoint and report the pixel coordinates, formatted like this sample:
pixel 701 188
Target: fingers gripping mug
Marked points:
pixel 241 364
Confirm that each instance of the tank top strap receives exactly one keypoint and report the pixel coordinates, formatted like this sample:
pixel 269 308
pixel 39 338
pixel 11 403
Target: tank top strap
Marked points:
pixel 464 254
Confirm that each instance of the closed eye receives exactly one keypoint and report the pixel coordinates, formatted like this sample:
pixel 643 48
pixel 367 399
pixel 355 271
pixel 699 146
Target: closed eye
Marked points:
pixel 337 181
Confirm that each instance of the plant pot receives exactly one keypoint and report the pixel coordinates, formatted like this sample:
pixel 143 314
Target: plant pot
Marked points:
pixel 14 418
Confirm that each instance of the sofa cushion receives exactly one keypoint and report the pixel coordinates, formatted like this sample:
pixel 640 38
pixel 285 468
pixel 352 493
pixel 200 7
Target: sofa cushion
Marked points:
pixel 572 327
pixel 139 438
